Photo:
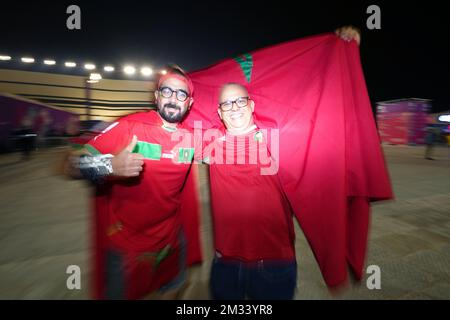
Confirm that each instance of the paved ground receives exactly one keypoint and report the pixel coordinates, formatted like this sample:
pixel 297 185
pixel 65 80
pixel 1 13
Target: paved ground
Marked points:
pixel 43 229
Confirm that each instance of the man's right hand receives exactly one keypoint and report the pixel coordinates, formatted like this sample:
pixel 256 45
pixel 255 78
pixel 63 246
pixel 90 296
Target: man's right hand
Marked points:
pixel 127 164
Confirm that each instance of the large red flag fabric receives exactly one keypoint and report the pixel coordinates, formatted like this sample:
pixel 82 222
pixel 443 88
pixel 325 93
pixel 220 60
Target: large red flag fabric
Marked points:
pixel 312 92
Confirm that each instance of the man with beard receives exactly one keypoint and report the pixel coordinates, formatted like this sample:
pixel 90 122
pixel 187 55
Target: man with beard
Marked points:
pixel 139 170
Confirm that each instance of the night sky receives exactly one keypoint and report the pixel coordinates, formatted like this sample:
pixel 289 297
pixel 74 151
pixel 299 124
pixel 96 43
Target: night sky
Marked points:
pixel 406 58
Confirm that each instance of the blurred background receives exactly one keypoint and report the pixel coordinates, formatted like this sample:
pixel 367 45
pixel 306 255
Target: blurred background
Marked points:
pixel 60 87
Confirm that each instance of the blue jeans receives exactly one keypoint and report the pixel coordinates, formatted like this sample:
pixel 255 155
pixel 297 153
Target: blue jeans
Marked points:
pixel 261 280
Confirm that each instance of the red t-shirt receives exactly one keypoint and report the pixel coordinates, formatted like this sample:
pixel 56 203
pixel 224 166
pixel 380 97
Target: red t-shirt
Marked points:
pixel 142 211
pixel 251 215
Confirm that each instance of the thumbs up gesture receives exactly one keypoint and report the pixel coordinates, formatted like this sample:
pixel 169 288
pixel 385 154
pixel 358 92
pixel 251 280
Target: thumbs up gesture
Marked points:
pixel 127 164
pixel 349 33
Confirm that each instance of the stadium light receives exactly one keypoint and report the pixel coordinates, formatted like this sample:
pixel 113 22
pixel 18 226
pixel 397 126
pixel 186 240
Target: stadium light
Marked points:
pixel 94 78
pixel 130 70
pixel 146 71
pixel 27 59
pixel 70 64
pixel 444 118
pixel 89 66
pixel 49 62
pixel 5 58
pixel 108 68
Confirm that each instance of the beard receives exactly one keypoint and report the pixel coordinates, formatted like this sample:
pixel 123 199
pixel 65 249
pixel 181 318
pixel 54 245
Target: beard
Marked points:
pixel 169 113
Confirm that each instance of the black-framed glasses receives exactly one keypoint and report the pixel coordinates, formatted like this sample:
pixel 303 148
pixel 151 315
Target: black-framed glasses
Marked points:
pixel 167 92
pixel 241 102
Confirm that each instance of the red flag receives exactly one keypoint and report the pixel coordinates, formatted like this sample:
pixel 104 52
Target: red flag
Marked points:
pixel 330 160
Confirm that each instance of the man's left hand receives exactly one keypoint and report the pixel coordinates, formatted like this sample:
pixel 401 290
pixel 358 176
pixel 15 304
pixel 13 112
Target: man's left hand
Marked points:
pixel 349 33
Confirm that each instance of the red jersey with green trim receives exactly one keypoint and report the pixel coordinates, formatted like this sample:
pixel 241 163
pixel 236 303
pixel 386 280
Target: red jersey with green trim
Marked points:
pixel 252 217
pixel 142 211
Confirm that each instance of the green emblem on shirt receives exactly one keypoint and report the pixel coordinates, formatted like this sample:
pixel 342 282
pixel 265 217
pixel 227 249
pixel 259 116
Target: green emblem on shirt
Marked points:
pixel 185 154
pixel 258 136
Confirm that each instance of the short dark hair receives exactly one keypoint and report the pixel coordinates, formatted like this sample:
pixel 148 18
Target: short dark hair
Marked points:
pixel 174 68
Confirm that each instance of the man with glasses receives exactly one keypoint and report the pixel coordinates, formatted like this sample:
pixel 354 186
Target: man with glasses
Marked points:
pixel 253 227
pixel 252 217
pixel 140 170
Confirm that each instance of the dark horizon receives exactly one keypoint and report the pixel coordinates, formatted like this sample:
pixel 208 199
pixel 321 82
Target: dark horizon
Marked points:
pixel 406 58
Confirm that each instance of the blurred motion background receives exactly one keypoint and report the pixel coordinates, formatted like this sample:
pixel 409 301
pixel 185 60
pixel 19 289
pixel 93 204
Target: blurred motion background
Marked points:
pixel 47 109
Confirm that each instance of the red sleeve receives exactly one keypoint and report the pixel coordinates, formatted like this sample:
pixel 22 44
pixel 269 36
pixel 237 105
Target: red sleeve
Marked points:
pixel 111 140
